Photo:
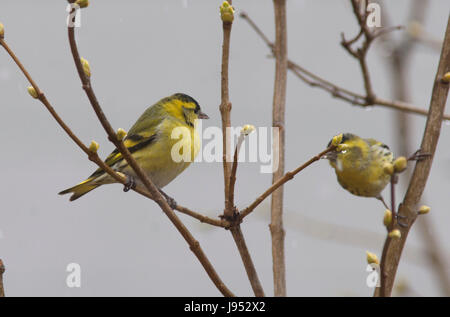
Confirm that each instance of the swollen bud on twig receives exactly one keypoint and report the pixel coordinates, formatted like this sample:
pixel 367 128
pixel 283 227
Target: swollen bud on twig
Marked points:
pixel 2 31
pixel 32 92
pixel 121 133
pixel 247 129
pixel 82 3
pixel 372 258
pixel 226 12
pixel 337 139
pixel 93 147
pixel 446 77
pixel 387 219
pixel 395 234
pixel 415 29
pixel 424 210
pixel 388 168
pixel 400 164
pixel 86 67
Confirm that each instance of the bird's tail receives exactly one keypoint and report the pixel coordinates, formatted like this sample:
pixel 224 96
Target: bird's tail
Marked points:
pixel 80 189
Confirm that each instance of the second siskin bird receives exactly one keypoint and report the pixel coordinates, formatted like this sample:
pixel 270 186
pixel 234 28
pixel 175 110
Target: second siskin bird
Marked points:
pixel 359 165
pixel 150 142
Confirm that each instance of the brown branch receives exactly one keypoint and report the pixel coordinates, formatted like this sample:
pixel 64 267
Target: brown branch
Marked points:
pixel 250 269
pixel 234 167
pixel 230 212
pixel 204 219
pixel 153 190
pixel 278 117
pixel 225 111
pixel 398 65
pixel 287 177
pixel 336 91
pixel 361 53
pixel 394 247
pixel 2 270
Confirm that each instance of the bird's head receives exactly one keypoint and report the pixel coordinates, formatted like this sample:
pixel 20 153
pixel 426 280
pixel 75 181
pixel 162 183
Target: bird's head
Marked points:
pixel 350 151
pixel 184 107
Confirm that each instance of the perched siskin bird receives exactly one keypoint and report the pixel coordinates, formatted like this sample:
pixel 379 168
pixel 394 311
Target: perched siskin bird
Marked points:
pixel 360 165
pixel 150 142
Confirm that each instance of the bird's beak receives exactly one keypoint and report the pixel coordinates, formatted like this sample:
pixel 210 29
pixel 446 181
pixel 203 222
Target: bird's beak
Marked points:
pixel 202 115
pixel 332 156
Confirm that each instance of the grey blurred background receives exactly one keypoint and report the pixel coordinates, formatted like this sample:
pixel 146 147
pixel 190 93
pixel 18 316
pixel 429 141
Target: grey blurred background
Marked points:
pixel 141 51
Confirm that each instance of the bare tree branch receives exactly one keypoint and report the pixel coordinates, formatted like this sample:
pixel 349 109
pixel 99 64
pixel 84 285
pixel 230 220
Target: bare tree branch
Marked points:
pixel 394 247
pixel 288 176
pixel 204 219
pixel 399 61
pixel 334 90
pixel 230 212
pixel 278 117
pixel 234 169
pixel 225 111
pixel 361 53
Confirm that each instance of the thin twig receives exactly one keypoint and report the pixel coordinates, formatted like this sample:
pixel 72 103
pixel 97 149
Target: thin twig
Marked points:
pixel 394 181
pixel 336 91
pixel 204 219
pixel 249 266
pixel 230 211
pixel 361 53
pixel 287 177
pixel 225 112
pixel 391 257
pixel 234 167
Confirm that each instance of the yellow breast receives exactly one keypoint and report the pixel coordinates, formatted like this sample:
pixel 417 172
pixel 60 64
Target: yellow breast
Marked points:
pixel 362 172
pixel 175 149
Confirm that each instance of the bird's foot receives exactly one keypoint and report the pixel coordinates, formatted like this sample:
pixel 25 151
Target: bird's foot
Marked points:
pixel 130 184
pixel 172 203
pixel 418 156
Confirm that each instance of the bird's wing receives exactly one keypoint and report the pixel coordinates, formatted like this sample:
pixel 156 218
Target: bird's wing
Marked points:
pixel 148 122
pixel 134 142
pixel 143 133
pixel 372 142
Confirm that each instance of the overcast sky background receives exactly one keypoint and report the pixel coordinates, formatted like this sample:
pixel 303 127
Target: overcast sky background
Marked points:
pixel 141 51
